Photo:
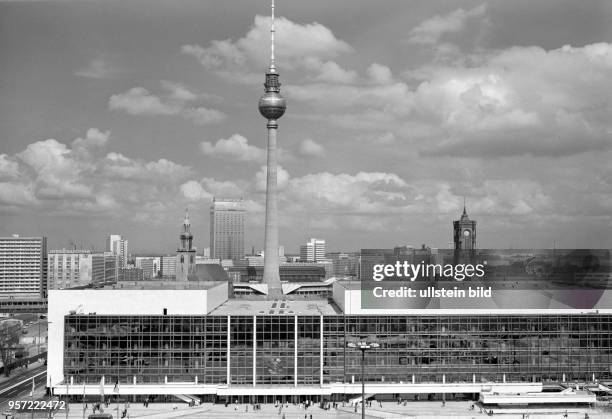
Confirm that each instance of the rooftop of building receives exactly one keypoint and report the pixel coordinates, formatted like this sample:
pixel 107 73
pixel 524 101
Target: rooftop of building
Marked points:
pixel 158 284
pixel 350 285
pixel 69 251
pixel 251 306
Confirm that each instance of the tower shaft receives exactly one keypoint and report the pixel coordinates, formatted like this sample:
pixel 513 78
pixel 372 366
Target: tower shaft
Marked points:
pixel 271 269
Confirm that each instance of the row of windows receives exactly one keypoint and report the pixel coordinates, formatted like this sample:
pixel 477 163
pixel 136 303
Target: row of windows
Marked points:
pixel 153 348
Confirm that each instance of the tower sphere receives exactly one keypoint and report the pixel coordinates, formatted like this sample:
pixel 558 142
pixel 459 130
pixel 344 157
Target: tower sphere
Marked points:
pixel 272 105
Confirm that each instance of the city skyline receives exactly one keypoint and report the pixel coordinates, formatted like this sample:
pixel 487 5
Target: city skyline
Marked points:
pixel 111 125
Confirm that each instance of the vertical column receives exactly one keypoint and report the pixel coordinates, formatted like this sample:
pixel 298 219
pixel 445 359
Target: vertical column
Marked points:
pixel 271 274
pixel 295 354
pixel 229 333
pixel 254 350
pixel 321 351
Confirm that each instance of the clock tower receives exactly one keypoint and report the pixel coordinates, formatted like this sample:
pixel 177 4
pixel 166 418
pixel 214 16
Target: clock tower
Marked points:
pixel 464 232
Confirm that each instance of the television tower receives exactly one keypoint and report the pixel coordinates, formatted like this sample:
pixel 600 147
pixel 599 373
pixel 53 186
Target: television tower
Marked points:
pixel 272 106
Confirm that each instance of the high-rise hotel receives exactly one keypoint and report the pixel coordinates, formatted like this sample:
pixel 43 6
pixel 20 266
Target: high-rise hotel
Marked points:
pixel 227 222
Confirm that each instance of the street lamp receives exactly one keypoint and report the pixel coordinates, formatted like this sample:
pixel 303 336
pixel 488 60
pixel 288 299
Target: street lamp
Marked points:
pixel 363 347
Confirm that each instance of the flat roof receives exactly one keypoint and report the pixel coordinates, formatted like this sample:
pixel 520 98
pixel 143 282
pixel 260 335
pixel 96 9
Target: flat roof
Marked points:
pixel 350 285
pixel 249 307
pixel 161 284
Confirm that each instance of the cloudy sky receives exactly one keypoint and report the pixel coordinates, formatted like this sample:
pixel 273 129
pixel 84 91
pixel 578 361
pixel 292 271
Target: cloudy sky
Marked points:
pixel 117 115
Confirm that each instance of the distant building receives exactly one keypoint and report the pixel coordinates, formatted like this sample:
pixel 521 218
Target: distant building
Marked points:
pixel 168 266
pixel 255 261
pixel 344 264
pixel 111 267
pixel 104 268
pixel 464 232
pixel 227 222
pixel 186 254
pixel 371 257
pixel 69 269
pixel 150 266
pixel 200 260
pixel 118 245
pixel 23 266
pixel 131 274
pixel 313 250
pixel 206 252
pixel 289 272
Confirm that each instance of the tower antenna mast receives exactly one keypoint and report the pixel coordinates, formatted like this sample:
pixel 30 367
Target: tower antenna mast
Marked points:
pixel 272 63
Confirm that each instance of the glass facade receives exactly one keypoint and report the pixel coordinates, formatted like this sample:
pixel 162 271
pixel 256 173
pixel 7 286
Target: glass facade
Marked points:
pixel 275 350
pixel 153 349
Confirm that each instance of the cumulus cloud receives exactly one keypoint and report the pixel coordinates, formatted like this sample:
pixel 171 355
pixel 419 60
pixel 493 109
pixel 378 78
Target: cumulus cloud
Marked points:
pixel 235 147
pixel 194 191
pixel 93 138
pixel 362 192
pixel 309 147
pixel 379 73
pixel 378 197
pixel 139 101
pixel 431 30
pixel 15 195
pixel 82 177
pixel 518 101
pixel 297 45
pixel 97 69
pixel 525 100
pixel 282 178
pixel 396 98
pixel 118 166
pixel 329 71
pixel 56 171
pixel 207 188
pixel 9 169
pixel 178 91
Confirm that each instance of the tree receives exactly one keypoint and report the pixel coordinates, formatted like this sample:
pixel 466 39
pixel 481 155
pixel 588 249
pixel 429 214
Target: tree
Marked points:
pixel 9 340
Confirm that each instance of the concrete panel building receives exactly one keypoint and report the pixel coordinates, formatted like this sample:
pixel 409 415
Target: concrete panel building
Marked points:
pixel 23 266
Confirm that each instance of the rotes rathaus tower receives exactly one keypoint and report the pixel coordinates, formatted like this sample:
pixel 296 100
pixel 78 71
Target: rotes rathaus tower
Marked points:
pixel 464 232
pixel 272 106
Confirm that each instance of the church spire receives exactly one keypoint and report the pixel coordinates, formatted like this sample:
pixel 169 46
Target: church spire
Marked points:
pixel 186 236
pixel 186 222
pixel 464 211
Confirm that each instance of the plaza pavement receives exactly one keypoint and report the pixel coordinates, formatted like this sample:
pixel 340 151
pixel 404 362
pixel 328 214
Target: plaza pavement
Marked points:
pixel 390 410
